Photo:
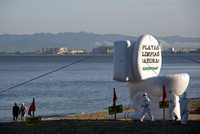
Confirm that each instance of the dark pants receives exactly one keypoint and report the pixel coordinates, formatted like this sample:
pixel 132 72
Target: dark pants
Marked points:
pixel 15 117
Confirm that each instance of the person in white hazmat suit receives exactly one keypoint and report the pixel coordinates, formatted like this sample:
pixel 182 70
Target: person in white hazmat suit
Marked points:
pixel 146 108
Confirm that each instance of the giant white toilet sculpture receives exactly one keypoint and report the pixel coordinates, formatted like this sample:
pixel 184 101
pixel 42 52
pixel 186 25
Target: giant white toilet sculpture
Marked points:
pixel 138 63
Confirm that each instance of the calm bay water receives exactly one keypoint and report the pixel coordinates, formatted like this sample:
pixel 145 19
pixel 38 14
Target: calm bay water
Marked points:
pixel 82 87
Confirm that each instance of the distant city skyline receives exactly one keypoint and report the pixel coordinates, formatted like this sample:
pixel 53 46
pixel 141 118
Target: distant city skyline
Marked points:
pixel 127 17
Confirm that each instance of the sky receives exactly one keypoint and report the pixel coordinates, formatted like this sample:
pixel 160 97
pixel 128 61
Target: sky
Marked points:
pixel 128 17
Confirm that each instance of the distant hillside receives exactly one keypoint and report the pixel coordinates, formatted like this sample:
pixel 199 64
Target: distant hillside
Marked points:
pixel 175 39
pixel 31 42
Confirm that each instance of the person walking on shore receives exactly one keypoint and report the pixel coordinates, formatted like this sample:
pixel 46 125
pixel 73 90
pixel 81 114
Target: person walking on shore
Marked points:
pixel 22 111
pixel 15 111
pixel 146 107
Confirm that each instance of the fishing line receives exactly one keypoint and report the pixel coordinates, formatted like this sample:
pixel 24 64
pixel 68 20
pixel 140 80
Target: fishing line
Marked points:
pixel 42 75
pixel 151 69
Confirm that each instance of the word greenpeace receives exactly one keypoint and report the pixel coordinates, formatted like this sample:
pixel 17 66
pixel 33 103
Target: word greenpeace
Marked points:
pixel 150 68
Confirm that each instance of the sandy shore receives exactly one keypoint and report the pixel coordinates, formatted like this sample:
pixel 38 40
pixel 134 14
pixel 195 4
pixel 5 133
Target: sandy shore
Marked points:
pixel 98 123
pixel 194 109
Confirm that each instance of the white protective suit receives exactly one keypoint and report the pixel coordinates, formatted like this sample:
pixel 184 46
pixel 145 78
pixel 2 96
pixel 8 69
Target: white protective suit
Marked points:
pixel 146 108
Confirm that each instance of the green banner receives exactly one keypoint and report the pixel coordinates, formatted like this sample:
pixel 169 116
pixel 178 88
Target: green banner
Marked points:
pixel 164 104
pixel 115 109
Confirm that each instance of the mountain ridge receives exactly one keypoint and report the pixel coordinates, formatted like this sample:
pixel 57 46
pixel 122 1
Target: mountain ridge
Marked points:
pixel 37 41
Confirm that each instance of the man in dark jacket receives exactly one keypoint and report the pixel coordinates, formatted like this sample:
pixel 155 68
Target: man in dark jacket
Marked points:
pixel 15 111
